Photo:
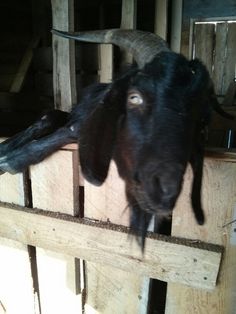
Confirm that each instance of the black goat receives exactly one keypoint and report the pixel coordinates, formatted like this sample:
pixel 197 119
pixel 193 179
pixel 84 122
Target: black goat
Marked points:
pixel 151 120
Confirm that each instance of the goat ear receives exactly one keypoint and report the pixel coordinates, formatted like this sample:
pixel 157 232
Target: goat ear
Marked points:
pixel 97 138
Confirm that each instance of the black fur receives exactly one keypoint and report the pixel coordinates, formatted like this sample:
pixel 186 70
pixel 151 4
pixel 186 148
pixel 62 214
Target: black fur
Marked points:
pixel 151 142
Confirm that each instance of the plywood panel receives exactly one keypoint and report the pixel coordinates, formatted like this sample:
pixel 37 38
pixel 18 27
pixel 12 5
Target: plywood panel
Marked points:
pixel 219 201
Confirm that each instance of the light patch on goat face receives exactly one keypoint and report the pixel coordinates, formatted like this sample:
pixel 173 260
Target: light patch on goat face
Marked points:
pixel 72 128
pixel 135 99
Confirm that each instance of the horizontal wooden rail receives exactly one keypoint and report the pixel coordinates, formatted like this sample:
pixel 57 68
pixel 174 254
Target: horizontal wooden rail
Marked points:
pixel 169 259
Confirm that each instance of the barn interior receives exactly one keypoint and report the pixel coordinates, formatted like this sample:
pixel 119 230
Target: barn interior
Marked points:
pixel 197 29
pixel 26 81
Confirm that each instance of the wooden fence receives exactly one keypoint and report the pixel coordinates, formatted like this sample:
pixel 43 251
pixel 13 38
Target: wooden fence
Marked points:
pixel 55 261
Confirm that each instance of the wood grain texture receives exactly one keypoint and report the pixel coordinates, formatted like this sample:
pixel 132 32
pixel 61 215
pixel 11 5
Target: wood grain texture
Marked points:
pixel 55 188
pixel 15 269
pixel 53 184
pixel 219 202
pixel 128 21
pixel 220 56
pixel 204 43
pixel 230 63
pixel 166 258
pixel 63 55
pixel 161 18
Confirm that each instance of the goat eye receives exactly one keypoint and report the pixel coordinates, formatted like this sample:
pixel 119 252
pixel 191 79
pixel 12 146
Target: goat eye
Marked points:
pixel 135 99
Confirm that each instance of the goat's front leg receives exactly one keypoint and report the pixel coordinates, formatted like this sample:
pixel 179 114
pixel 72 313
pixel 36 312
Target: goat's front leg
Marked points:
pixel 45 125
pixel 32 153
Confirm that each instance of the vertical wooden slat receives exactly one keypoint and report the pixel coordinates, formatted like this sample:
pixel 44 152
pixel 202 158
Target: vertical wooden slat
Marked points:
pixel 53 183
pixel 220 56
pixel 176 25
pixel 53 180
pixel 161 18
pixel 204 43
pixel 230 62
pixel 63 55
pixel 128 21
pixel 219 203
pixel 16 284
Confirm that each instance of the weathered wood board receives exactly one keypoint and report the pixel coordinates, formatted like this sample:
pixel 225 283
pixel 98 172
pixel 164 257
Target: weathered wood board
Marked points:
pixel 215 44
pixel 15 269
pixel 161 18
pixel 170 259
pixel 63 55
pixel 204 43
pixel 219 202
pixel 55 187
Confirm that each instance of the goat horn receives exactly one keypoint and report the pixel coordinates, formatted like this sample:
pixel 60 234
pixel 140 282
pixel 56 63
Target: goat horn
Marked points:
pixel 143 45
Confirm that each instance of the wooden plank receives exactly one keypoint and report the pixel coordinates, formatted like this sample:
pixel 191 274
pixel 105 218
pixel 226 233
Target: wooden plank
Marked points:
pixel 220 56
pixel 204 43
pixel 56 176
pixel 230 63
pixel 128 21
pixel 55 187
pixel 161 18
pixel 176 25
pixel 219 202
pixel 170 259
pixel 105 57
pixel 20 76
pixel 63 56
pixel 15 282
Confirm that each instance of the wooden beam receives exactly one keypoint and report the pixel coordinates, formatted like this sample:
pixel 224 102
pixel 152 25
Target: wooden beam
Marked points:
pixel 170 259
pixel 176 25
pixel 161 18
pixel 63 56
pixel 20 76
pixel 128 21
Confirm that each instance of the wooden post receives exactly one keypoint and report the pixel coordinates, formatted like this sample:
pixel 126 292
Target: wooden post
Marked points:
pixel 161 18
pixel 219 203
pixel 55 180
pixel 176 25
pixel 63 55
pixel 128 21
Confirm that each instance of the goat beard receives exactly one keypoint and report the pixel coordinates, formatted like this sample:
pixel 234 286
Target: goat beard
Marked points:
pixel 141 214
